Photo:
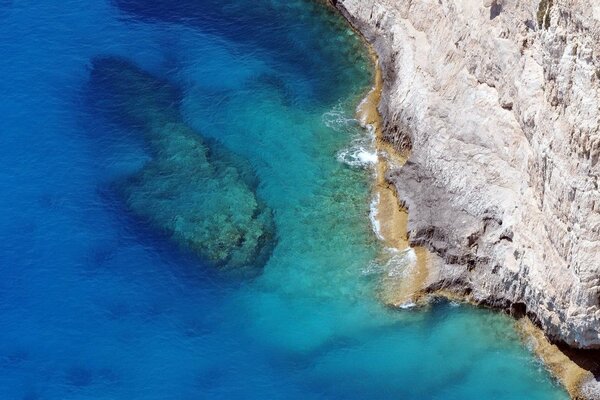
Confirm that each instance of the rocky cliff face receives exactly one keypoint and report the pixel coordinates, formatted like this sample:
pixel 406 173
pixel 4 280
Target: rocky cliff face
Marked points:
pixel 499 103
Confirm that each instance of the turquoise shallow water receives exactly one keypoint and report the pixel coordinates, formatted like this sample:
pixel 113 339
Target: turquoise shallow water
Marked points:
pixel 95 303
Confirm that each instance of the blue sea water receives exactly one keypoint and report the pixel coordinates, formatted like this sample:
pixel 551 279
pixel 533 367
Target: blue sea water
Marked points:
pixel 96 304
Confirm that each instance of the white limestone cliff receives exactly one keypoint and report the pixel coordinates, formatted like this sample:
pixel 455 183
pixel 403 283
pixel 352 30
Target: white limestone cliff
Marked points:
pixel 499 103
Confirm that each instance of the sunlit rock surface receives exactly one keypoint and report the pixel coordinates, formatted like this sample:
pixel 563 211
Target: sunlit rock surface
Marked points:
pixel 499 104
pixel 196 191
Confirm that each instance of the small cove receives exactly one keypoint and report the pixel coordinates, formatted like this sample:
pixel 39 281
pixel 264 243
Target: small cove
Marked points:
pixel 97 304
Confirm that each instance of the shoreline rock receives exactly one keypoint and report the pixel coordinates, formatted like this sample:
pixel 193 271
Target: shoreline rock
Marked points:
pixel 499 106
pixel 406 267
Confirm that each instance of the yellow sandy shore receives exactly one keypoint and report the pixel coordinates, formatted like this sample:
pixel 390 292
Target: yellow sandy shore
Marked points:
pixel 397 289
pixel 568 373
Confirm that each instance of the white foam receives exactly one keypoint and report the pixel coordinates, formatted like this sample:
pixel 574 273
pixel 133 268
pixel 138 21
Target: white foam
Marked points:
pixel 395 264
pixel 374 268
pixel 338 120
pixel 362 153
pixel 373 212
pixel 358 156
pixel 401 262
pixel 366 157
pixel 407 305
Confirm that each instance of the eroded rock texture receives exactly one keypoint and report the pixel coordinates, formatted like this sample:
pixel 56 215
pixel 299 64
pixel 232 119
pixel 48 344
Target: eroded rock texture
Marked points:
pixel 499 102
pixel 197 192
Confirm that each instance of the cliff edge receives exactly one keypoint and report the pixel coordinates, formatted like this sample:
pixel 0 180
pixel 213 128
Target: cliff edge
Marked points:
pixel 499 104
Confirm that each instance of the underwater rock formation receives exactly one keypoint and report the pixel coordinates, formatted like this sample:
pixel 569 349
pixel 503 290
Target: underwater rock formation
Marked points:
pixel 196 191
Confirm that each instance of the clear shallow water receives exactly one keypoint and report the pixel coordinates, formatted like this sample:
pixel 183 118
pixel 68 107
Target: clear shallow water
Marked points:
pixel 94 304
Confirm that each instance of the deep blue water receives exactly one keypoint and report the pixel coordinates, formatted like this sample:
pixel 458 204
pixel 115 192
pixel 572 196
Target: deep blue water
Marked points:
pixel 95 303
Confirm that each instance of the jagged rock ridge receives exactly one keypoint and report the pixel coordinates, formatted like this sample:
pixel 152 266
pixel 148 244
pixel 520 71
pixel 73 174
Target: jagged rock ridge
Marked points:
pixel 499 103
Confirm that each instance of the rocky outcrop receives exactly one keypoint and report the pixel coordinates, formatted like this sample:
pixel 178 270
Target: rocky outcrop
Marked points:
pixel 499 103
pixel 195 191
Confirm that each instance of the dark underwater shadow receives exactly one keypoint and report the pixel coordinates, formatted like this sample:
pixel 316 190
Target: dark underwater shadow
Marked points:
pixel 184 264
pixel 286 31
pixel 193 191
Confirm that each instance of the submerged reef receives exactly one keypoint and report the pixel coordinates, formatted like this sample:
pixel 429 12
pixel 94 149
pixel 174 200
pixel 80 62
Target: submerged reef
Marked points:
pixel 194 190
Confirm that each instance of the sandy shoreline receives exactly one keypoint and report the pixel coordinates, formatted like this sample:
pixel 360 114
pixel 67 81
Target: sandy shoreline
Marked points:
pixel 572 376
pixel 409 288
pixel 404 282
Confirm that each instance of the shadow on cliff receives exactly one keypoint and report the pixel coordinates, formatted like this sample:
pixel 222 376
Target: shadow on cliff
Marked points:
pixel 586 359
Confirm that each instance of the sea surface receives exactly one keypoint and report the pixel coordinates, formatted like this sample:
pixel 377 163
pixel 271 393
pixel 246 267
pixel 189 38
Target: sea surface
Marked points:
pixel 98 303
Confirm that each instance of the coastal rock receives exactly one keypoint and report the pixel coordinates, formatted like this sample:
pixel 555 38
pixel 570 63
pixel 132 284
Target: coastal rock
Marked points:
pixel 499 104
pixel 194 190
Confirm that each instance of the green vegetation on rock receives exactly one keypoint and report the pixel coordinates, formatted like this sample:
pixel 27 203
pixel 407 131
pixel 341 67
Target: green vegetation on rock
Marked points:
pixel 543 13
